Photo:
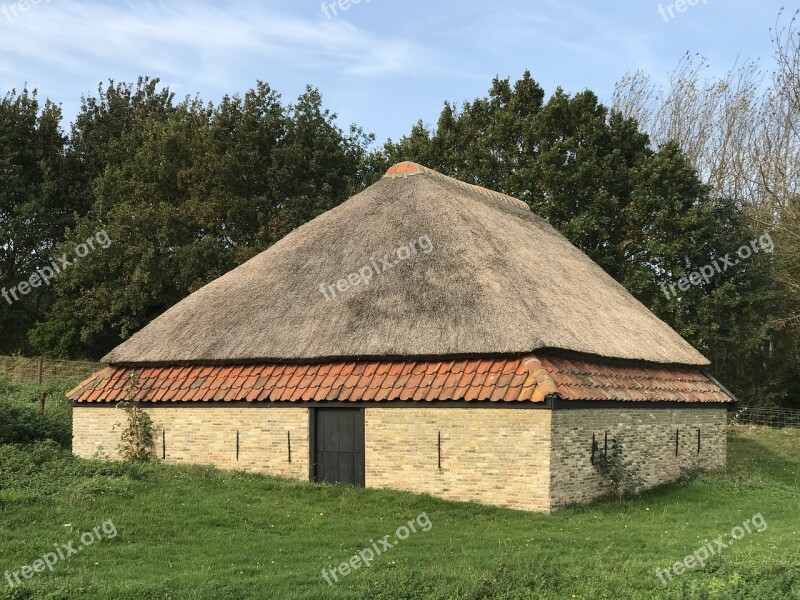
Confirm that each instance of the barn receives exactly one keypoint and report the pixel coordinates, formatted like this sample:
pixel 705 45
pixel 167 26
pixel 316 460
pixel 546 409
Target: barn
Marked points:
pixel 426 335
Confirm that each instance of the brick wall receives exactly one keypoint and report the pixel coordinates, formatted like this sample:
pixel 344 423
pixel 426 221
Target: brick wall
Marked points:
pixel 490 455
pixel 575 479
pixel 22 369
pixel 500 457
pixel 207 435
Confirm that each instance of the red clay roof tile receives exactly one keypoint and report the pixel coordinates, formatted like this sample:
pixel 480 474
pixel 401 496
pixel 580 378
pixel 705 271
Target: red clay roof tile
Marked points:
pixel 459 366
pixel 419 368
pixel 439 381
pixel 529 378
pixel 463 385
pixel 383 368
pixel 393 393
pixel 473 393
pixel 451 381
pixel 432 368
pixel 414 381
pixel 484 366
pixel 497 394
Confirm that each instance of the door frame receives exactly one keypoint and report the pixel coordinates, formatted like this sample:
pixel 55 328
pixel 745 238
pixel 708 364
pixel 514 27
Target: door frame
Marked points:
pixel 360 441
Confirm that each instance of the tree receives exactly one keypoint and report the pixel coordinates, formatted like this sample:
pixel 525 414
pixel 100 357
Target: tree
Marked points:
pixel 317 165
pixel 742 134
pixel 641 213
pixel 788 237
pixel 136 437
pixel 128 147
pixel 34 211
pixel 197 191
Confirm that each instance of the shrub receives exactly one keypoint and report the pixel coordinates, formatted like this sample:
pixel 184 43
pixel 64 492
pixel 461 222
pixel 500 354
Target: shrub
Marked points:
pixel 44 468
pixel 20 424
pixel 137 433
pixel 20 419
pixel 39 469
pixel 624 476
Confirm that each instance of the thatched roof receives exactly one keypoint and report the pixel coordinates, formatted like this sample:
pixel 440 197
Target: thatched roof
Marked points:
pixel 497 280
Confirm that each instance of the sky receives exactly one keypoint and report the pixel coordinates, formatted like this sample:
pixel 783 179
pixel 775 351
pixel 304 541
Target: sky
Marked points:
pixel 381 64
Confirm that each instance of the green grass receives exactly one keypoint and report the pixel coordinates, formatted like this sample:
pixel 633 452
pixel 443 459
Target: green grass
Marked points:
pixel 195 532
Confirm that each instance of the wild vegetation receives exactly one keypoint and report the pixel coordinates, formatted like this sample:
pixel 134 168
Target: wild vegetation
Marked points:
pixel 21 421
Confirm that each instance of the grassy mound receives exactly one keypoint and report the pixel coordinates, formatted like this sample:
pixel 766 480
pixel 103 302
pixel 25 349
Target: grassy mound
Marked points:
pixel 196 532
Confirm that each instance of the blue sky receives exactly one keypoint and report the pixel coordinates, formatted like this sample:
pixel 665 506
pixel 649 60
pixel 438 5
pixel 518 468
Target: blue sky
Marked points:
pixel 382 64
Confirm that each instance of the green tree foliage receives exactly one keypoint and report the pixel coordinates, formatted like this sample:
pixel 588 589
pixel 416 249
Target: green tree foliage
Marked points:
pixel 34 210
pixel 643 215
pixel 188 191
pixel 788 259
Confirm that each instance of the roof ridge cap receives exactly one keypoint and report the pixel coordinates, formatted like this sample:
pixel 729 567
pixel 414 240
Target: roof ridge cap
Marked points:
pixel 406 169
pixel 539 376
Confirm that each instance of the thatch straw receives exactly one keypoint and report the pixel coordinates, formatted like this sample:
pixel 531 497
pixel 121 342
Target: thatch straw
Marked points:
pixel 499 280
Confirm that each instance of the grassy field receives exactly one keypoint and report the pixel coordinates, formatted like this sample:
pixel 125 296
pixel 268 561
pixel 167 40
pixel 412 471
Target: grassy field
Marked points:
pixel 184 532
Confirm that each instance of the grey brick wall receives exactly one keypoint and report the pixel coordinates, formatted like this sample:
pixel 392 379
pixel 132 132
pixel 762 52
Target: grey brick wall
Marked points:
pixel 643 433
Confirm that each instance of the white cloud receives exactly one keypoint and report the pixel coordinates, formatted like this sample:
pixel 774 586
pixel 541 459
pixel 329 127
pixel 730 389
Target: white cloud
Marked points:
pixel 201 40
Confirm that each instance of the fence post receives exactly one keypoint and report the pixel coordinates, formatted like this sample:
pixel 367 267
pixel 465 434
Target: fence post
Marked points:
pixel 39 370
pixel 42 396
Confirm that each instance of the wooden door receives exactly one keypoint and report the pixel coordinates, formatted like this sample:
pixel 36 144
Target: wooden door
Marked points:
pixel 337 445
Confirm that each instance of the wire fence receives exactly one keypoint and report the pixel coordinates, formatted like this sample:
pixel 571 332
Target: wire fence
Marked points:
pixel 771 417
pixel 42 370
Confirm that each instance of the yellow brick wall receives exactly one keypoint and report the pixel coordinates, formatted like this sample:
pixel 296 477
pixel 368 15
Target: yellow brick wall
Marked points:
pixel 207 435
pixel 494 456
pixel 642 432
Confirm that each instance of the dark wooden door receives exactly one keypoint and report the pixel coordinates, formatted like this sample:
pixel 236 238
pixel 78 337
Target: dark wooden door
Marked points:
pixel 337 445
